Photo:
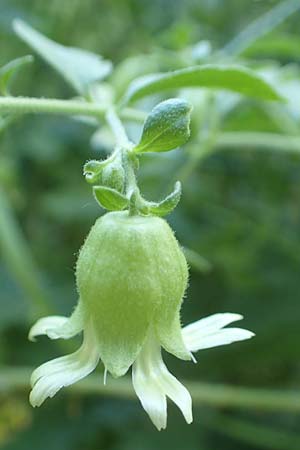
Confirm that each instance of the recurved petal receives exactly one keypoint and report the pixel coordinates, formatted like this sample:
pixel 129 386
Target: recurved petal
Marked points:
pixel 56 327
pixel 46 325
pixel 50 377
pixel 153 383
pixel 176 391
pixel 150 394
pixel 209 332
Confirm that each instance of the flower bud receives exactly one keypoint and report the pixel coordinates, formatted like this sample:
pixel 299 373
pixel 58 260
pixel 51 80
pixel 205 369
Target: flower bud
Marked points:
pixel 132 274
pixel 113 176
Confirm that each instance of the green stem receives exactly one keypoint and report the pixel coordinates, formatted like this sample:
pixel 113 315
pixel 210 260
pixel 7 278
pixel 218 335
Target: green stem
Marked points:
pixel 217 395
pixel 266 141
pixel 124 144
pixel 118 129
pixel 27 105
pixel 132 189
pixel 239 140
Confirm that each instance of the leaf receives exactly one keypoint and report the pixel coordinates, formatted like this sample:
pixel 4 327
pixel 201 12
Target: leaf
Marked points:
pixel 166 127
pixel 110 198
pixel 234 78
pixel 168 204
pixel 260 27
pixel 275 46
pixel 80 68
pixel 9 70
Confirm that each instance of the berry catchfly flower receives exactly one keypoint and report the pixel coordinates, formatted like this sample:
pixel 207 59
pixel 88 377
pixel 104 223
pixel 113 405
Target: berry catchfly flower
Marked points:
pixel 131 279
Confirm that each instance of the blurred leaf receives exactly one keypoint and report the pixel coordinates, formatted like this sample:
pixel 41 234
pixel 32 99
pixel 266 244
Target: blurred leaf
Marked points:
pixel 234 78
pixel 110 198
pixel 261 26
pixel 10 69
pixel 80 68
pixel 278 45
pixel 131 68
pixel 166 127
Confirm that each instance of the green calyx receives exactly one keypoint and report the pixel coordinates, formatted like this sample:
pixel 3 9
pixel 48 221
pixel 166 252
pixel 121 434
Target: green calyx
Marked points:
pixel 131 274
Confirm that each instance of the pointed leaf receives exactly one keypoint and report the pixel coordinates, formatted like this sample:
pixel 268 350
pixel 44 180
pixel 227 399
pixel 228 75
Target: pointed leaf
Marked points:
pixel 234 78
pixel 9 70
pixel 168 204
pixel 166 127
pixel 80 68
pixel 110 198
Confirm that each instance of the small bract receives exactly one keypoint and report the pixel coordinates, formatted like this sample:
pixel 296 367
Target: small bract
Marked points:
pixel 131 278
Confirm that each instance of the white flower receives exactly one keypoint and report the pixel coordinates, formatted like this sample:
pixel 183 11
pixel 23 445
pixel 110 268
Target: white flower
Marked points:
pixel 131 278
pixel 152 381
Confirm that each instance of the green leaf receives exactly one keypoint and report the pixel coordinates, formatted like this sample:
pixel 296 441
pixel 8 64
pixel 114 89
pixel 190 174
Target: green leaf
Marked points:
pixel 261 26
pixel 80 68
pixel 166 127
pixel 110 198
pixel 275 46
pixel 234 78
pixel 9 70
pixel 167 205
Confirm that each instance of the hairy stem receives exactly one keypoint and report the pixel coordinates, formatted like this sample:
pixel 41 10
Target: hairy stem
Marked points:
pixel 118 129
pixel 27 105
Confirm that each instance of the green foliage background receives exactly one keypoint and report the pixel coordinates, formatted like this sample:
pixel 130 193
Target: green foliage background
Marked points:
pixel 240 210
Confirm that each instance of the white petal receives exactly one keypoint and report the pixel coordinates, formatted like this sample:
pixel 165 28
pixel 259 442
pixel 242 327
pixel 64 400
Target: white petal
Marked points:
pixel 50 377
pixel 56 327
pixel 176 392
pixel 212 323
pixel 153 382
pixel 209 332
pixel 151 396
pixel 45 325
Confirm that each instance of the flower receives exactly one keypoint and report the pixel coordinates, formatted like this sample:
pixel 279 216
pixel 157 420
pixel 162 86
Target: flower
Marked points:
pixel 131 278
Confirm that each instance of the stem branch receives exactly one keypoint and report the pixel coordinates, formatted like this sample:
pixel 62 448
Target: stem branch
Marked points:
pixel 27 105
pixel 118 129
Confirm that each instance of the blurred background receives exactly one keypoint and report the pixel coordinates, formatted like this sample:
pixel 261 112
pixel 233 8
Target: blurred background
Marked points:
pixel 239 212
